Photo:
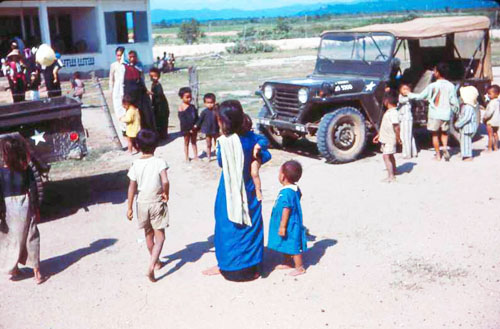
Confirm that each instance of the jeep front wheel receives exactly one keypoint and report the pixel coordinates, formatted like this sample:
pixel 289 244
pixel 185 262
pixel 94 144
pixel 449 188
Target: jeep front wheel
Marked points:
pixel 275 137
pixel 342 135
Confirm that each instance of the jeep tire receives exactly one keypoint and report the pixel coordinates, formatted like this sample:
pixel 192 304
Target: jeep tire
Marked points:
pixel 274 137
pixel 342 135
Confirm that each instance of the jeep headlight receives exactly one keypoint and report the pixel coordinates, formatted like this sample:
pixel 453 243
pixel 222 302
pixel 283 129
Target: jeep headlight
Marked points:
pixel 303 95
pixel 268 92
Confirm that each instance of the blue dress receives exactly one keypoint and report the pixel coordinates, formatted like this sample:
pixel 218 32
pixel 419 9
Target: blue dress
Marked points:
pixel 238 247
pixel 295 241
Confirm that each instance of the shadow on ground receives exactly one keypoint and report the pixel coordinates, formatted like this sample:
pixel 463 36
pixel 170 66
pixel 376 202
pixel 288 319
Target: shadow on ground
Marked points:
pixel 65 197
pixel 58 264
pixel 311 257
pixel 192 253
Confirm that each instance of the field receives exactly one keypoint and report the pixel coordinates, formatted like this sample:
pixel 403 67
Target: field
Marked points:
pixel 281 28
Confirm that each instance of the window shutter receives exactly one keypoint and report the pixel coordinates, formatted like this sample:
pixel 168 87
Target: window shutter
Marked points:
pixel 141 26
pixel 110 23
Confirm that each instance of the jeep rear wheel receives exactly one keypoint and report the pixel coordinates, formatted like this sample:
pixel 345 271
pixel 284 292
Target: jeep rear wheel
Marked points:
pixel 342 135
pixel 275 137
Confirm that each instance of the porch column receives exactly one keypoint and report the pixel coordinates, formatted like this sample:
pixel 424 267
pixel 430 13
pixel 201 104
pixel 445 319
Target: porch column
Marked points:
pixel 101 28
pixel 44 23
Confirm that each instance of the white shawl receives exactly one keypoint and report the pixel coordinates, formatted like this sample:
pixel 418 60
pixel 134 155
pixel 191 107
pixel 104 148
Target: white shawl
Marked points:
pixel 233 161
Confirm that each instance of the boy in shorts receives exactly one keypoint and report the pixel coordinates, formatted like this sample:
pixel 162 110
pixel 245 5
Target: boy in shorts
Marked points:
pixel 443 101
pixel 389 134
pixel 148 178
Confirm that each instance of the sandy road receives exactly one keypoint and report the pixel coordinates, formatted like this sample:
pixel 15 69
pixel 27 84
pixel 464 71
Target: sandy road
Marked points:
pixel 421 253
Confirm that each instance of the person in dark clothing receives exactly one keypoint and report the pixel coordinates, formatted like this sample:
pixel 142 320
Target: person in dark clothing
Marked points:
pixel 133 85
pixel 188 116
pixel 51 78
pixel 207 122
pixel 16 76
pixel 160 103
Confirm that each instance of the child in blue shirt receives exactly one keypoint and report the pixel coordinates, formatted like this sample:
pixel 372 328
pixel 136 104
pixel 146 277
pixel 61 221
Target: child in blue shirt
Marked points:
pixel 287 234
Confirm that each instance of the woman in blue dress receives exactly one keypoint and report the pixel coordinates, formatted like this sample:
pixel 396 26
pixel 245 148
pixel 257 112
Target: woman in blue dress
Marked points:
pixel 239 237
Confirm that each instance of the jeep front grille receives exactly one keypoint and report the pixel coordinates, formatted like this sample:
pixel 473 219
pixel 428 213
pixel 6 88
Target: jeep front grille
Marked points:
pixel 286 102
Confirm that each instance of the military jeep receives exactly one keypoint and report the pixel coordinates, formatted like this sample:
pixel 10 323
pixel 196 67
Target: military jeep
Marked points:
pixel 340 104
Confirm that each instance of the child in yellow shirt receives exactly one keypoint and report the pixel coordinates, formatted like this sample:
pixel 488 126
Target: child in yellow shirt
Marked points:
pixel 132 118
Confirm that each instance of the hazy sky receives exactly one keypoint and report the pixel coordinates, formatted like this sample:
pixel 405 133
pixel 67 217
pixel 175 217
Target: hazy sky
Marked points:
pixel 239 4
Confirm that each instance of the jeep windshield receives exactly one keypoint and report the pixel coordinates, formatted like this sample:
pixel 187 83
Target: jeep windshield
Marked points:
pixel 355 53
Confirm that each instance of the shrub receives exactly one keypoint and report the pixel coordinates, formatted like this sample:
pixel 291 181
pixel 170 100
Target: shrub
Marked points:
pixel 250 47
pixel 190 31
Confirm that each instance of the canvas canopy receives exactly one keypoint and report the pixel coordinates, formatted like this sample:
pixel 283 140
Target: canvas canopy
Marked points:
pixel 421 28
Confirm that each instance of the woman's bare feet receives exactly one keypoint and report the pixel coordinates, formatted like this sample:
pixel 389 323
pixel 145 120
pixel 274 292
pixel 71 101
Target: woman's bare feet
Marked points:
pixel 39 277
pixel 283 267
pixel 298 271
pixel 158 265
pixel 215 270
pixel 15 273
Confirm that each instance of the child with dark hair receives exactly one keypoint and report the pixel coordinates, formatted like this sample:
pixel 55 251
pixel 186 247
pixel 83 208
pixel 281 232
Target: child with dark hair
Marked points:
pixel 19 215
pixel 188 116
pixel 287 233
pixel 149 179
pixel 406 121
pixel 34 85
pixel 443 102
pixel 389 134
pixel 132 119
pixel 160 103
pixel 77 85
pixel 207 122
pixel 492 117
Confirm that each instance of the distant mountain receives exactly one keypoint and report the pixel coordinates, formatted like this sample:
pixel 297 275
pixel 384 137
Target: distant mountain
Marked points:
pixel 362 6
pixel 383 6
pixel 158 15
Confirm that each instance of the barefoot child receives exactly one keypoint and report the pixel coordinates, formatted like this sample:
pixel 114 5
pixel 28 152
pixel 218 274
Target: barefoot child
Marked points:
pixel 77 85
pixel 287 234
pixel 492 117
pixel 389 134
pixel 160 103
pixel 207 122
pixel 132 119
pixel 406 121
pixel 467 122
pixel 19 236
pixel 188 116
pixel 148 178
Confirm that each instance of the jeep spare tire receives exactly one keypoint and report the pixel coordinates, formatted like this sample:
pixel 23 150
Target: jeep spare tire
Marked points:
pixel 342 135
pixel 273 134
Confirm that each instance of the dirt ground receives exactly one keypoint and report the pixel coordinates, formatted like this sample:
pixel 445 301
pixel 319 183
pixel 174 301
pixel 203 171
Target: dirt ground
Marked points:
pixel 420 253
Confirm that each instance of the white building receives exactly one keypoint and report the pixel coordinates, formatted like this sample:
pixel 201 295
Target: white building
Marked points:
pixel 85 32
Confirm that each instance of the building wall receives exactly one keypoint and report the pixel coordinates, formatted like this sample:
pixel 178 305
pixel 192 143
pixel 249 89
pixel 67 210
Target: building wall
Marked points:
pixel 89 24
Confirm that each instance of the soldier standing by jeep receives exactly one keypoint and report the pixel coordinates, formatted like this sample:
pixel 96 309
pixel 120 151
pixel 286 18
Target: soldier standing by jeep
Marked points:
pixel 442 99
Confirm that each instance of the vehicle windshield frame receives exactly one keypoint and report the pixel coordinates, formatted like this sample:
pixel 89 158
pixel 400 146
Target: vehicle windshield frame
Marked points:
pixel 355 66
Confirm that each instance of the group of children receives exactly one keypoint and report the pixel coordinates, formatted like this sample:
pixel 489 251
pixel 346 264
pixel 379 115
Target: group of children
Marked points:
pixel 397 121
pixel 132 117
pixel 149 180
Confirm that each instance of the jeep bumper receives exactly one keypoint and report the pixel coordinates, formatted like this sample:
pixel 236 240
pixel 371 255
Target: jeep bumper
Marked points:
pixel 282 124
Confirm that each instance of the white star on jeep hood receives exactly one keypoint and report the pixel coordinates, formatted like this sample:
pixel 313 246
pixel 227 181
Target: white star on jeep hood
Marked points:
pixel 38 137
pixel 370 86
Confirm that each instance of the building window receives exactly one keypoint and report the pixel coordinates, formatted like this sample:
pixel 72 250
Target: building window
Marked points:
pixel 126 27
